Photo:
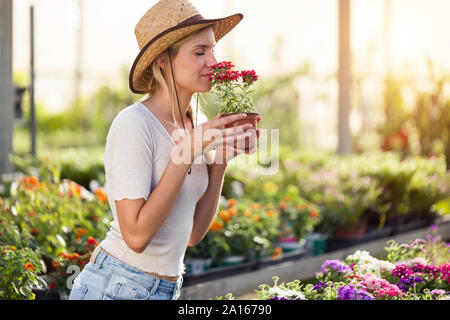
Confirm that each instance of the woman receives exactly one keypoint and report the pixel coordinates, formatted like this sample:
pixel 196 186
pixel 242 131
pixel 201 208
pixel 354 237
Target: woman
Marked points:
pixel 161 196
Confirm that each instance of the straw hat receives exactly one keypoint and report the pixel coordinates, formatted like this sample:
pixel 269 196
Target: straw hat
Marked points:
pixel 163 25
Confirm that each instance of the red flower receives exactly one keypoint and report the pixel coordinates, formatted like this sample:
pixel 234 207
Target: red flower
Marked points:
pixel 35 231
pixel 51 286
pixel 92 241
pixel 249 76
pixel 223 66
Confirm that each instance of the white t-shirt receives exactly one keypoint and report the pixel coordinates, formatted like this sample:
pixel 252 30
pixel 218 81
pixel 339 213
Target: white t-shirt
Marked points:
pixel 138 150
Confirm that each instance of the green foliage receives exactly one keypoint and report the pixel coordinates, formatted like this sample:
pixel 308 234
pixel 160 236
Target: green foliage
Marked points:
pixel 20 262
pixel 64 219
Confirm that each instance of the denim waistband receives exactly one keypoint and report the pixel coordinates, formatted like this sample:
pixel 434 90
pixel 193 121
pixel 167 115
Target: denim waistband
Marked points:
pixel 101 258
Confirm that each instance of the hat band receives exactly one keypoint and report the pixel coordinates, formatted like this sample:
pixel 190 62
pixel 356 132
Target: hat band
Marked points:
pixel 195 18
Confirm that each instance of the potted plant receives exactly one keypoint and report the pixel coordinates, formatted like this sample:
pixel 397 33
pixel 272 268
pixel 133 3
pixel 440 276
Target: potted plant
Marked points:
pixel 233 89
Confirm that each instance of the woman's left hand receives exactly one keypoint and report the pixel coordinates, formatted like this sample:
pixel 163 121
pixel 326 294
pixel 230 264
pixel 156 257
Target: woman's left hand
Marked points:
pixel 229 151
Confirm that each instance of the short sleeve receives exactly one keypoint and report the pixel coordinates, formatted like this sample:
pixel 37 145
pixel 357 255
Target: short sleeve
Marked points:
pixel 130 164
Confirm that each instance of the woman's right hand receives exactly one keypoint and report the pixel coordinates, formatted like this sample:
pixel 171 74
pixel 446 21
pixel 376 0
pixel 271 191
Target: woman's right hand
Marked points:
pixel 209 135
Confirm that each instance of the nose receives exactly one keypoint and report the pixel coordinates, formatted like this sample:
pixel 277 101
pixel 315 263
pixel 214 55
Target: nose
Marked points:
pixel 211 59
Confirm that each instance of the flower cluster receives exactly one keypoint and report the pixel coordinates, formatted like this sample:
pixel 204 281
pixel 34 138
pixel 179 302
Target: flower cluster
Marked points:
pixel 222 72
pixel 365 263
pixel 351 279
pixel 232 87
pixel 335 265
pixel 350 292
pixel 381 288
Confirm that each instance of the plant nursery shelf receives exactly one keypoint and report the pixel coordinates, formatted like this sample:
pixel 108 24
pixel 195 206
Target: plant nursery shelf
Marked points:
pixel 221 272
pixel 301 268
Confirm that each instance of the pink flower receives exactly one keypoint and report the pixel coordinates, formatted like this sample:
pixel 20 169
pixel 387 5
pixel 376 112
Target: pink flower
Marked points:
pixel 391 291
pixel 445 271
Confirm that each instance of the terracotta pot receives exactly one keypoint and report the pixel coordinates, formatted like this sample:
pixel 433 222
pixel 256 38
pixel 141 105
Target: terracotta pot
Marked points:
pixel 353 231
pixel 252 118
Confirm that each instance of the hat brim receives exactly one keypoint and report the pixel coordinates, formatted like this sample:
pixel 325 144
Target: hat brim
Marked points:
pixel 139 74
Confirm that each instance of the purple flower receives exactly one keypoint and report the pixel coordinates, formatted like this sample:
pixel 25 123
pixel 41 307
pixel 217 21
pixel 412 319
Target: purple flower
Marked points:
pixel 408 282
pixel 349 292
pixel 335 265
pixel 434 227
pixel 284 298
pixel 319 286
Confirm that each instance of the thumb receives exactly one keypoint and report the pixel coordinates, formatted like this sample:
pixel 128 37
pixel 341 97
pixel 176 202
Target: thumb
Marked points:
pixel 218 116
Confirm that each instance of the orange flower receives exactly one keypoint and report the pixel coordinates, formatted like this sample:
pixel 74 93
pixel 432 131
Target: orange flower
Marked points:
pixel 287 199
pixel 42 186
pixel 255 206
pixel 231 202
pixel 313 214
pixel 101 195
pixel 29 266
pixel 283 206
pixel 225 216
pixel 277 253
pixel 77 189
pixel 256 217
pixel 302 206
pixel 270 213
pixel 216 225
pixel 13 248
pixel 31 213
pixel 1 201
pixel 33 180
pixel 248 213
pixel 74 256
pixel 79 232
pixel 232 212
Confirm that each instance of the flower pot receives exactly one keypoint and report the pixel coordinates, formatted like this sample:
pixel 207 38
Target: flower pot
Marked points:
pixel 252 118
pixel 291 246
pixel 316 243
pixel 353 231
pixel 197 266
pixel 232 260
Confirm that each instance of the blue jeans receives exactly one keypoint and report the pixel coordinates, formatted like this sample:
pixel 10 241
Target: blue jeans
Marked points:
pixel 108 278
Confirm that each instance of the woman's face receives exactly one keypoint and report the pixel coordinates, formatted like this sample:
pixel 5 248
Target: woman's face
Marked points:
pixel 191 65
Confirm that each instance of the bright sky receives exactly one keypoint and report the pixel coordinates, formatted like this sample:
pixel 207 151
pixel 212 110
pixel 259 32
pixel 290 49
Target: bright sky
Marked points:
pixel 419 29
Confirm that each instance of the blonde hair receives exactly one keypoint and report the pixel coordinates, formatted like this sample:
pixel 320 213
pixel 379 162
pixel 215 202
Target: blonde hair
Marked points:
pixel 157 80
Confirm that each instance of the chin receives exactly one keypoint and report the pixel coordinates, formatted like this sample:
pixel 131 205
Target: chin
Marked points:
pixel 203 88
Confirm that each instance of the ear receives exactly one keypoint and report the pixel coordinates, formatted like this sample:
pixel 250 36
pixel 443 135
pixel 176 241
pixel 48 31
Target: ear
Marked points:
pixel 163 60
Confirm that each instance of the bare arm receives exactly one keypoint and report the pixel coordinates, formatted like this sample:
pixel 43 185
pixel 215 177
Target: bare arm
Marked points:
pixel 139 229
pixel 140 220
pixel 207 206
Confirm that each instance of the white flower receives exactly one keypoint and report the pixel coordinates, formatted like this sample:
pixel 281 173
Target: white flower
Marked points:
pixel 418 260
pixel 358 255
pixel 286 293
pixel 367 263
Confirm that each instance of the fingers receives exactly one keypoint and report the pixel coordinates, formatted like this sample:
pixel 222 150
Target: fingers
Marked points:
pixel 218 122
pixel 234 130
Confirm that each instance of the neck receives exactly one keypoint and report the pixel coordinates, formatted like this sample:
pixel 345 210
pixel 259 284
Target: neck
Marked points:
pixel 163 102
